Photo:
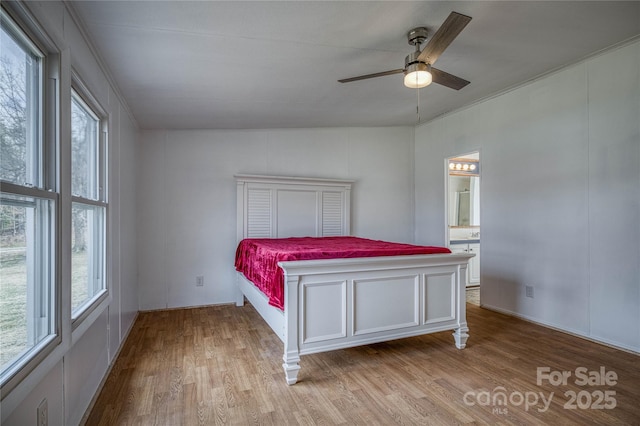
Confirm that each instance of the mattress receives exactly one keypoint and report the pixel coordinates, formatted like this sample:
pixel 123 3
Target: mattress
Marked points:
pixel 257 258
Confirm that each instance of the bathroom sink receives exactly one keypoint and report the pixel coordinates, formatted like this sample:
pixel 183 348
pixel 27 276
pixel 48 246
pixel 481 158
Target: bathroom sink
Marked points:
pixel 469 240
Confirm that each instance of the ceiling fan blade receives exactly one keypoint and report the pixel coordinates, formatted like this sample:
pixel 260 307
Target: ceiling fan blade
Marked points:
pixel 447 32
pixel 377 74
pixel 448 80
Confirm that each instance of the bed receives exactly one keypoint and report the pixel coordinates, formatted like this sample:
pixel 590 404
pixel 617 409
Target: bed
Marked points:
pixel 336 303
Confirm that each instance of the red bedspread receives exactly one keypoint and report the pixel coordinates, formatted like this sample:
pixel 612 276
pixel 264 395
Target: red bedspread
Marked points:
pixel 257 258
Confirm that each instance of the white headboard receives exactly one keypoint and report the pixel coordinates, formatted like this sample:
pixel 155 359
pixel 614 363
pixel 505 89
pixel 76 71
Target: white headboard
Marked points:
pixel 280 207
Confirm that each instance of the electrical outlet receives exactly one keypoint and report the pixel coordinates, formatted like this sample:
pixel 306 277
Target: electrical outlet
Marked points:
pixel 528 291
pixel 200 281
pixel 43 413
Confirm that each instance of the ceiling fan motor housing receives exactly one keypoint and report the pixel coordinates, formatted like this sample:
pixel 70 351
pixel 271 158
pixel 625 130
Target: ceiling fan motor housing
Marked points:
pixel 412 58
pixel 417 36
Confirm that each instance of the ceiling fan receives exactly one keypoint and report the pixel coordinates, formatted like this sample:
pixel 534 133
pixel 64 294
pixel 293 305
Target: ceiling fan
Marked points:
pixel 418 66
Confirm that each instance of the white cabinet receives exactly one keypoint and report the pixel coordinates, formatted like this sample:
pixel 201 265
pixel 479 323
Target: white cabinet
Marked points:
pixel 474 264
pixel 473 271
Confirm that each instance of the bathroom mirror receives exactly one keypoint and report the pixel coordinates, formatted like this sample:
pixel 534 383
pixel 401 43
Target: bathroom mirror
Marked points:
pixel 464 199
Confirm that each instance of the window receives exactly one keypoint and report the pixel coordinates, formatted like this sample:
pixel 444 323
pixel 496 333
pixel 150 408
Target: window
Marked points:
pixel 88 175
pixel 28 205
pixel 26 302
pixel 87 260
pixel 21 107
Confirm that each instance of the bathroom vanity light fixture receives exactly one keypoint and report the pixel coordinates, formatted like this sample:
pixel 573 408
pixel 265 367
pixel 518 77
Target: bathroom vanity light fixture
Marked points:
pixel 459 166
pixel 462 166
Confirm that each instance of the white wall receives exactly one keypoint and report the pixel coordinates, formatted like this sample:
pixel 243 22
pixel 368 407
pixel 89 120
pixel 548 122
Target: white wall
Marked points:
pixel 69 378
pixel 187 197
pixel 560 203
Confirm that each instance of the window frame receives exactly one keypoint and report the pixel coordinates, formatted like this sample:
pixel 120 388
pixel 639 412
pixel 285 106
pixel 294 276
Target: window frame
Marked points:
pixel 45 186
pixel 81 94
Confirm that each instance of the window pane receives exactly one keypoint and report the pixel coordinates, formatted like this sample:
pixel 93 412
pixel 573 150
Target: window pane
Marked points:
pixel 20 71
pixel 87 262
pixel 84 151
pixel 26 283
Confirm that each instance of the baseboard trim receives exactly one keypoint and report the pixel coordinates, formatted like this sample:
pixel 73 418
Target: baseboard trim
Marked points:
pixel 613 345
pixel 177 308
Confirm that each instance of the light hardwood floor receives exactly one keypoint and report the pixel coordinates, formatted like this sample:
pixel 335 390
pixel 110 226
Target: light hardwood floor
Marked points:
pixel 222 365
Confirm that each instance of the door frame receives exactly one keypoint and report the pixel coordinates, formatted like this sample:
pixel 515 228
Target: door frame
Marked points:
pixel 475 153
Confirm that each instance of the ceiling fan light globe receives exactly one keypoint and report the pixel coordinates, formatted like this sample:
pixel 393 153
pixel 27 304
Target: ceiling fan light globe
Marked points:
pixel 417 76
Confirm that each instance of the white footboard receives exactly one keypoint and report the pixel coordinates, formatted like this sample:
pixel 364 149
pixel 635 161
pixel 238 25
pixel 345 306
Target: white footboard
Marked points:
pixel 340 303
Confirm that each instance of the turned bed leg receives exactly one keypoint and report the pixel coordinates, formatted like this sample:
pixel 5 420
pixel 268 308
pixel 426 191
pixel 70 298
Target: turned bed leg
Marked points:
pixel 461 335
pixel 291 367
pixel 240 302
pixel 239 296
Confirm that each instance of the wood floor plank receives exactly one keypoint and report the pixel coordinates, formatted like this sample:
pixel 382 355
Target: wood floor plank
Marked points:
pixel 222 365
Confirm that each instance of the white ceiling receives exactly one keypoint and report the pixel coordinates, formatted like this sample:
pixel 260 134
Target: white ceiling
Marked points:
pixel 275 64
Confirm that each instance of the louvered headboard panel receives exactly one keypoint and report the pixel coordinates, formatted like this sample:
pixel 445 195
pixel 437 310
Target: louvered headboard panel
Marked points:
pixel 279 207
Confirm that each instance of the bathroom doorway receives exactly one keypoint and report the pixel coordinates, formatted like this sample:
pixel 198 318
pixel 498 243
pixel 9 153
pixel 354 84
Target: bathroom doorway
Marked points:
pixel 463 210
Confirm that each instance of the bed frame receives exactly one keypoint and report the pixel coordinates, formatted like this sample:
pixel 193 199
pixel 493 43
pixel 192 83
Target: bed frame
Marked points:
pixel 340 303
